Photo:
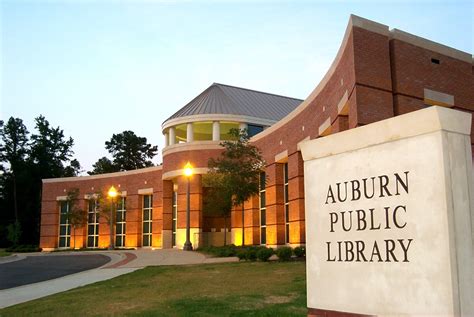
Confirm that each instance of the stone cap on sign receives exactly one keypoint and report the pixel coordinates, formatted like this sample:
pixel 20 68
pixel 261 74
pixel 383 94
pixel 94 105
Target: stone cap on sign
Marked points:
pixel 404 126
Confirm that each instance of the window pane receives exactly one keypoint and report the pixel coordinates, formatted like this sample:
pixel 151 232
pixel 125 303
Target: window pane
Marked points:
pixel 263 202
pixel 287 233
pixel 146 241
pixel 124 227
pixel 146 227
pixel 90 229
pixel 174 226
pixel 262 180
pixel 286 193
pixel 68 230
pixel 202 131
pixel 146 214
pixel 62 242
pixel 118 241
pixel 119 217
pixel 263 218
pixel 263 232
pixel 173 239
pixel 63 218
pixel 90 241
pixel 254 129
pixel 146 201
pixel 287 213
pixel 118 229
pixel 63 207
pixel 285 171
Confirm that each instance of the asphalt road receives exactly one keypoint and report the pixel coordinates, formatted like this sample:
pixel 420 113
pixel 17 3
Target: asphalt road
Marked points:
pixel 35 269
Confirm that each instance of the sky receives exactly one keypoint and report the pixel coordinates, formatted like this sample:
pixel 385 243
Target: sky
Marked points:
pixel 96 68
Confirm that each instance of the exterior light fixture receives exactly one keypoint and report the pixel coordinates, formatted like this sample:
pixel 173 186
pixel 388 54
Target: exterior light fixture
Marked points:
pixel 112 193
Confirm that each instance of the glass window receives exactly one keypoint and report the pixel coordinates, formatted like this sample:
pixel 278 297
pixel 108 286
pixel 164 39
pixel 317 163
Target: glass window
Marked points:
pixel 181 133
pixel 64 226
pixel 120 222
pixel 93 224
pixel 147 220
pixel 254 129
pixel 263 210
pixel 202 131
pixel 225 129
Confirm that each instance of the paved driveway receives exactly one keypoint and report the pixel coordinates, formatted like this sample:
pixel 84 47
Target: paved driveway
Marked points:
pixel 35 269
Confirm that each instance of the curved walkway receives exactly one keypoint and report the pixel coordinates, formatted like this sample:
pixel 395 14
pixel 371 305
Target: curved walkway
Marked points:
pixel 121 262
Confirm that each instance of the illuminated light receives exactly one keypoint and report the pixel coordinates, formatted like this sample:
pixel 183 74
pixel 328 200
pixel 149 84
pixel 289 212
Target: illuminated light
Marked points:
pixel 188 170
pixel 112 192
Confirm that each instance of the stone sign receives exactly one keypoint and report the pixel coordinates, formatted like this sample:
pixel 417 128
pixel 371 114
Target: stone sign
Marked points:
pixel 389 217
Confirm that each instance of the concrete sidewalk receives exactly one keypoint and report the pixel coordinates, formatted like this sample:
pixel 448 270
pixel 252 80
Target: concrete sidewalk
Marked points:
pixel 122 262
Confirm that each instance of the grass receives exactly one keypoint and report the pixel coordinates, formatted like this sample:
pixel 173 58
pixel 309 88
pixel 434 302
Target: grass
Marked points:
pixel 229 289
pixel 3 252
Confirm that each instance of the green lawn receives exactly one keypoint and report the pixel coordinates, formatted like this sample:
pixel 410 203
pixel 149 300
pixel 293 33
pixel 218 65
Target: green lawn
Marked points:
pixel 230 289
pixel 4 253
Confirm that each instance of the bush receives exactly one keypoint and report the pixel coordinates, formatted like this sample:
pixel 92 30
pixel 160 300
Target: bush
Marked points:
pixel 251 254
pixel 224 251
pixel 299 252
pixel 284 253
pixel 264 254
pixel 24 248
pixel 242 254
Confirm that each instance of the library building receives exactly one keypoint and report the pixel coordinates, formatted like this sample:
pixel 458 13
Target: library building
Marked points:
pixel 378 73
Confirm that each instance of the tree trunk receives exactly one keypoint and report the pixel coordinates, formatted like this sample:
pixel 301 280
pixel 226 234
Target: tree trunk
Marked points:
pixel 15 204
pixel 243 227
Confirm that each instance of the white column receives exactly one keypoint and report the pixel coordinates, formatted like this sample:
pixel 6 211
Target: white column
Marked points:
pixel 243 126
pixel 216 131
pixel 167 139
pixel 172 133
pixel 189 133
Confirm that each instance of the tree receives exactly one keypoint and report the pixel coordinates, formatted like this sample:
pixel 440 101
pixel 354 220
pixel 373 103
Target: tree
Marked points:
pixel 218 197
pixel 13 149
pixel 238 168
pixel 51 151
pixel 76 216
pixel 103 165
pixel 130 151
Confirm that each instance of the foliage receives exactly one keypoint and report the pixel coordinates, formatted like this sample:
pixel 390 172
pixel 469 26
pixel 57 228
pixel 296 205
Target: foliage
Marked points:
pixel 77 217
pixel 299 252
pixel 264 254
pixel 284 253
pixel 130 151
pixel 223 251
pixel 102 166
pixel 14 232
pixel 24 248
pixel 235 174
pixel 24 163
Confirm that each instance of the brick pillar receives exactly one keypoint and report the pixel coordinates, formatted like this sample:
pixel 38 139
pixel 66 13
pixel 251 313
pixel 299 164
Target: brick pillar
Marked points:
pixel 236 225
pixel 275 205
pixel 251 220
pixel 157 218
pixel 167 210
pixel 195 210
pixel 133 217
pixel 296 199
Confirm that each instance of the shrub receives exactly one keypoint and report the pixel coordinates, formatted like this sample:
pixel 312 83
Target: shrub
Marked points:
pixel 224 251
pixel 299 252
pixel 242 254
pixel 251 254
pixel 284 253
pixel 264 254
pixel 24 248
